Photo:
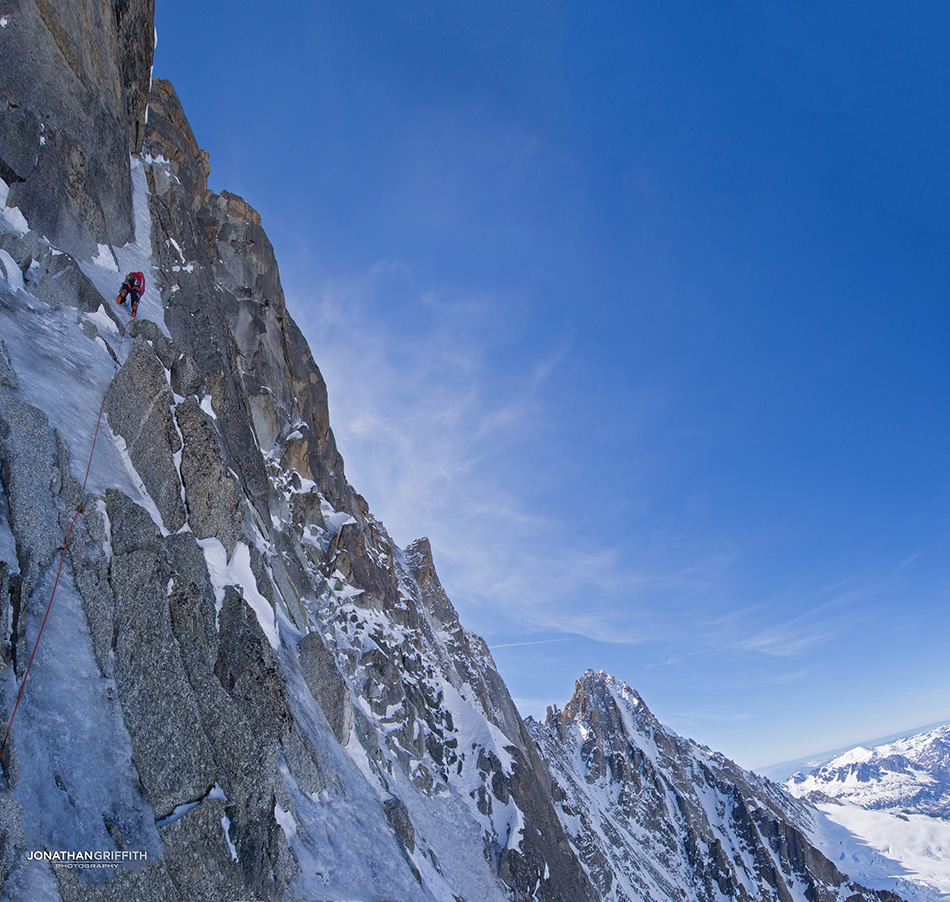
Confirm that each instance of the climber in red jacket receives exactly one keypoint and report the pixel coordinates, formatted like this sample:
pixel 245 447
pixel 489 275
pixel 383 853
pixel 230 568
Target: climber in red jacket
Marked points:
pixel 133 286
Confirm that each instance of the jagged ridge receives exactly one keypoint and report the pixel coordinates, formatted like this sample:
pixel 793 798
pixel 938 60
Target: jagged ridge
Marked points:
pixel 656 817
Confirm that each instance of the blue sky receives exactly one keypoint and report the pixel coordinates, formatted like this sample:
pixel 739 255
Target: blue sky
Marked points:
pixel 639 312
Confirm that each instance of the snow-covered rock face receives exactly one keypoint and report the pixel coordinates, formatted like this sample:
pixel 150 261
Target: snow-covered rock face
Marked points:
pixel 911 775
pixel 657 817
pixel 242 679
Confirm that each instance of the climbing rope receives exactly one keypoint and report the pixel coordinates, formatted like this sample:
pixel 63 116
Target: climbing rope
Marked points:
pixel 62 558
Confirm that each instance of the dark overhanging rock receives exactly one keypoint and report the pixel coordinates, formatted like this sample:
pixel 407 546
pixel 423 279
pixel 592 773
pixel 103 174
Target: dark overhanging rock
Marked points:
pixel 72 111
pixel 135 26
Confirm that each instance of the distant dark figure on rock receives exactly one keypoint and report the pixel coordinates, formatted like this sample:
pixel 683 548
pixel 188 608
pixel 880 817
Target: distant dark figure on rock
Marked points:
pixel 133 286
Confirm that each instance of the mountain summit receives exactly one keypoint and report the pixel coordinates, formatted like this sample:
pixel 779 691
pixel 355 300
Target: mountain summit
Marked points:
pixel 655 816
pixel 245 689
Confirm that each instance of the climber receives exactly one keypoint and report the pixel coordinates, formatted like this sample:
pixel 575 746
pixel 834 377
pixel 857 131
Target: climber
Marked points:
pixel 134 286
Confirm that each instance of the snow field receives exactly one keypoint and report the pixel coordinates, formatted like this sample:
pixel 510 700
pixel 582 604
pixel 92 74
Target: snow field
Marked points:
pixel 909 854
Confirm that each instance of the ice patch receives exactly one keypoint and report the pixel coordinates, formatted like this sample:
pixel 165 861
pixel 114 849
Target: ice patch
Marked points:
pixel 226 826
pixel 334 519
pixel 102 320
pixel 216 560
pixel 237 572
pixel 12 215
pixel 179 812
pixel 216 792
pixel 144 498
pixel 11 272
pixel 343 590
pixel 106 526
pixel 286 821
pixel 105 259
pixel 241 569
pixel 4 21
pixel 207 408
pixel 16 219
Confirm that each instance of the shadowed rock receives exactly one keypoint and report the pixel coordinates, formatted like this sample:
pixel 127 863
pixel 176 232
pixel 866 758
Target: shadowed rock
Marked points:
pixel 327 685
pixel 27 469
pixel 71 110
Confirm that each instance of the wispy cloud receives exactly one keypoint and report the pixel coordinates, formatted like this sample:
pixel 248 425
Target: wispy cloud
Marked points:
pixel 791 627
pixel 537 642
pixel 441 444
pixel 784 641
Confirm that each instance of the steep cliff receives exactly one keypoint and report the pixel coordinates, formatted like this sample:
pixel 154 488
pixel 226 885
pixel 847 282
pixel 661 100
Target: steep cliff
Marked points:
pixel 243 680
pixel 73 92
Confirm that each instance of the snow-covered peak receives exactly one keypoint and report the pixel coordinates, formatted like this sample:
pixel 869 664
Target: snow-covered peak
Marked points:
pixel 910 775
pixel 654 816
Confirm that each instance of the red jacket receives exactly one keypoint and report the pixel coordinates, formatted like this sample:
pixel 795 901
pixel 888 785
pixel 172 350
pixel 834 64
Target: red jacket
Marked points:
pixel 136 280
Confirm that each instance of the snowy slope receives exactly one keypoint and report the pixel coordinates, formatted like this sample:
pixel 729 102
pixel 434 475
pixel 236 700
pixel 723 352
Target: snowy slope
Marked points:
pixel 906 853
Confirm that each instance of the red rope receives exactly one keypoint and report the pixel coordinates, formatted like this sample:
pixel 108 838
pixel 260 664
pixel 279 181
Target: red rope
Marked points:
pixel 62 558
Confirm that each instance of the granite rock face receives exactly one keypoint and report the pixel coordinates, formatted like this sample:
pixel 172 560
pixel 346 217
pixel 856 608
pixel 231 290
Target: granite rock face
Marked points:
pixel 28 475
pixel 73 91
pixel 137 406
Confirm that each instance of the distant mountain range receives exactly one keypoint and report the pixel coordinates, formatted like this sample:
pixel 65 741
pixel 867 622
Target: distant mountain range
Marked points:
pixel 784 769
pixel 911 774
pixel 884 812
